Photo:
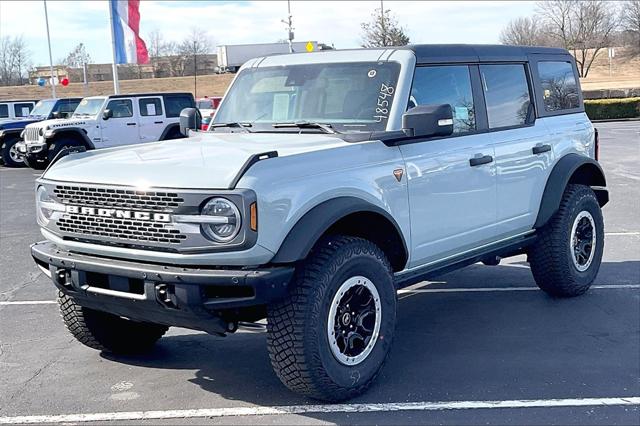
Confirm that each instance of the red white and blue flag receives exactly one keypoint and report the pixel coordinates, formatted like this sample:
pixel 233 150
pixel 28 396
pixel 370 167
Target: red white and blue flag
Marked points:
pixel 129 47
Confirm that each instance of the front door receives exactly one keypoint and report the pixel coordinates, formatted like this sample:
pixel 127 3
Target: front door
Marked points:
pixel 451 180
pixel 151 121
pixel 122 127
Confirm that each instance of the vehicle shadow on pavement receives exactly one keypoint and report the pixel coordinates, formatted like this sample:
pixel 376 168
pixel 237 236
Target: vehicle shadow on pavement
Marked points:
pixel 456 346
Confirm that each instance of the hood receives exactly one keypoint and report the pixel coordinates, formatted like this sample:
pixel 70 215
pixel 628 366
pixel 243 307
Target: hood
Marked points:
pixel 63 122
pixel 204 161
pixel 16 123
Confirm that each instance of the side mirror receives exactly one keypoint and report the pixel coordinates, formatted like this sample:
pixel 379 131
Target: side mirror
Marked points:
pixel 107 114
pixel 190 119
pixel 56 115
pixel 428 120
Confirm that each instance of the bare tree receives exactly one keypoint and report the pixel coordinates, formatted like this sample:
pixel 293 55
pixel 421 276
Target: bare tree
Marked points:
pixel 77 57
pixel 524 31
pixel 581 26
pixel 14 60
pixel 157 48
pixel 383 30
pixel 630 20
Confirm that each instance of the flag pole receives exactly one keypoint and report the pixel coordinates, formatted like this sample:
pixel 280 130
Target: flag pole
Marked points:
pixel 116 83
pixel 46 19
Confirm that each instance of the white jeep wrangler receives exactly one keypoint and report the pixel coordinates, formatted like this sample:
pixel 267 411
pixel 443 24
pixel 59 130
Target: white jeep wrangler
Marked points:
pixel 104 122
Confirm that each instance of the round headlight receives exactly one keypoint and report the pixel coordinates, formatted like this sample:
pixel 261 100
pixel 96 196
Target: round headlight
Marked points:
pixel 225 220
pixel 41 131
pixel 43 203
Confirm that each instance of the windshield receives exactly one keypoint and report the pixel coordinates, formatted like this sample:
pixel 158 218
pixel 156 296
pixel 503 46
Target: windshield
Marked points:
pixel 89 107
pixel 348 96
pixel 43 108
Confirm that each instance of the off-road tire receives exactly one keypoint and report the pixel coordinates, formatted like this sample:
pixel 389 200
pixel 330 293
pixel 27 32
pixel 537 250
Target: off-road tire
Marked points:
pixel 32 163
pixel 108 332
pixel 550 257
pixel 59 145
pixel 297 339
pixel 7 145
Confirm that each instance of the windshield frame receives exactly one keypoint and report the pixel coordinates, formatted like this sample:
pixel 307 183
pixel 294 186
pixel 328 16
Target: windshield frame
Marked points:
pixel 78 112
pixel 394 72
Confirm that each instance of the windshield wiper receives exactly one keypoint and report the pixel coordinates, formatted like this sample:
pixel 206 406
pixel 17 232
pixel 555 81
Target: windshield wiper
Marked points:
pixel 326 128
pixel 233 124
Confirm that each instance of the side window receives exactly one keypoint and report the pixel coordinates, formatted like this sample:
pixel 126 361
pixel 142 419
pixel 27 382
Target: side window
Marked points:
pixel 175 104
pixel 559 88
pixel 121 108
pixel 507 95
pixel 449 84
pixel 4 110
pixel 22 109
pixel 150 106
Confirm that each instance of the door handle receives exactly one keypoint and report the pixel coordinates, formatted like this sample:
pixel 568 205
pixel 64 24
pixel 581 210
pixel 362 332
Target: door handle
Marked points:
pixel 158 122
pixel 477 161
pixel 539 149
pixel 131 124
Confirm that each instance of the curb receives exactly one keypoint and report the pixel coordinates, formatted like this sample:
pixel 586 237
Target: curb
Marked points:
pixel 613 120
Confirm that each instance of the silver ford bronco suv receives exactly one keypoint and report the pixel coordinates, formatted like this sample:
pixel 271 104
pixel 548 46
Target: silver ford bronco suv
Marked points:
pixel 326 182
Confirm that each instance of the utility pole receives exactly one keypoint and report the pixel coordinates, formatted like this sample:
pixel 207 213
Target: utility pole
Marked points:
pixel 384 31
pixel 46 19
pixel 195 70
pixel 289 24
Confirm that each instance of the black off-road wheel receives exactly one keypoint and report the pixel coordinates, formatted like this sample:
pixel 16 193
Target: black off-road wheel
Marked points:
pixel 566 257
pixel 108 332
pixel 331 336
pixel 10 155
pixel 32 163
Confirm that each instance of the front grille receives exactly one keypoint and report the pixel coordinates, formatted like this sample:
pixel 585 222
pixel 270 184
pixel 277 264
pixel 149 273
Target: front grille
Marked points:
pixel 31 134
pixel 101 229
pixel 160 202
pixel 121 229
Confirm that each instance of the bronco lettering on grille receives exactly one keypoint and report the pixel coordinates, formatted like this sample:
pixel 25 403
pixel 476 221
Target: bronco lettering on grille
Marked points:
pixel 119 214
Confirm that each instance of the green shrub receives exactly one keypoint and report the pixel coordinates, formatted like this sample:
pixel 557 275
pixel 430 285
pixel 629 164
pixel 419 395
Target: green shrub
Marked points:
pixel 607 109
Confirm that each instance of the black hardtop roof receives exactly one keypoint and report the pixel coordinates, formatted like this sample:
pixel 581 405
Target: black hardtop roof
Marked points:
pixel 128 95
pixel 4 101
pixel 443 53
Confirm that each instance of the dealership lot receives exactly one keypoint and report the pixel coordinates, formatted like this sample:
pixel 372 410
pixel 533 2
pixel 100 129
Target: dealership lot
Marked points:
pixel 479 334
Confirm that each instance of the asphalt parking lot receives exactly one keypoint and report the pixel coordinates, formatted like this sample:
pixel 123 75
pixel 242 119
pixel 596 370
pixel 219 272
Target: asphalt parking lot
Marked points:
pixel 480 345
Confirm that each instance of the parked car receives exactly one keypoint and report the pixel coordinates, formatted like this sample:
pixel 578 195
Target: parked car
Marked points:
pixel 10 129
pixel 104 122
pixel 208 105
pixel 16 108
pixel 326 182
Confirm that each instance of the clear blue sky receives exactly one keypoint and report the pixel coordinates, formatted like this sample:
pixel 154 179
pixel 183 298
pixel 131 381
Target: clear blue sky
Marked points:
pixel 230 22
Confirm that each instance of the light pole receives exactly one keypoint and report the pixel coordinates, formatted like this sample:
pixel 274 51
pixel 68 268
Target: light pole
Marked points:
pixel 289 23
pixel 46 19
pixel 195 70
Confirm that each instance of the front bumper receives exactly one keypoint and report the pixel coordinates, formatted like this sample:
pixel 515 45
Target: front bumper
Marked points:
pixel 196 298
pixel 37 151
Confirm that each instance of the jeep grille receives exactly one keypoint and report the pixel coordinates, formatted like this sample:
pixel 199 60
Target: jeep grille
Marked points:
pixel 31 134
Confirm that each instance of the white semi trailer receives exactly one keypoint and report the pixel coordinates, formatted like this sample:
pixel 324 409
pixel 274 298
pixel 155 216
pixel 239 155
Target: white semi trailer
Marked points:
pixel 232 56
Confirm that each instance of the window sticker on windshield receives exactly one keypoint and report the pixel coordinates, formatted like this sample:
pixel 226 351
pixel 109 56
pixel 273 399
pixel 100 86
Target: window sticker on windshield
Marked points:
pixel 385 97
pixel 25 111
pixel 151 109
pixel 280 107
pixel 372 73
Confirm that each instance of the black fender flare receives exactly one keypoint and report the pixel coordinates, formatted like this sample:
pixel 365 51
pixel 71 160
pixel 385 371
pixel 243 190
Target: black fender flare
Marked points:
pixel 310 227
pixel 168 129
pixel 75 131
pixel 11 132
pixel 572 168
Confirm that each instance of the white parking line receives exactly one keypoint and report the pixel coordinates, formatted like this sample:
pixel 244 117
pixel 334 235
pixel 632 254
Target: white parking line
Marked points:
pixel 615 234
pixel 333 408
pixel 403 291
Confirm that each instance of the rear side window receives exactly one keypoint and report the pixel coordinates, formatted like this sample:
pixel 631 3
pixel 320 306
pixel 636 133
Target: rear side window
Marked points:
pixel 121 108
pixel 559 87
pixel 449 84
pixel 4 110
pixel 176 103
pixel 22 109
pixel 506 93
pixel 150 107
